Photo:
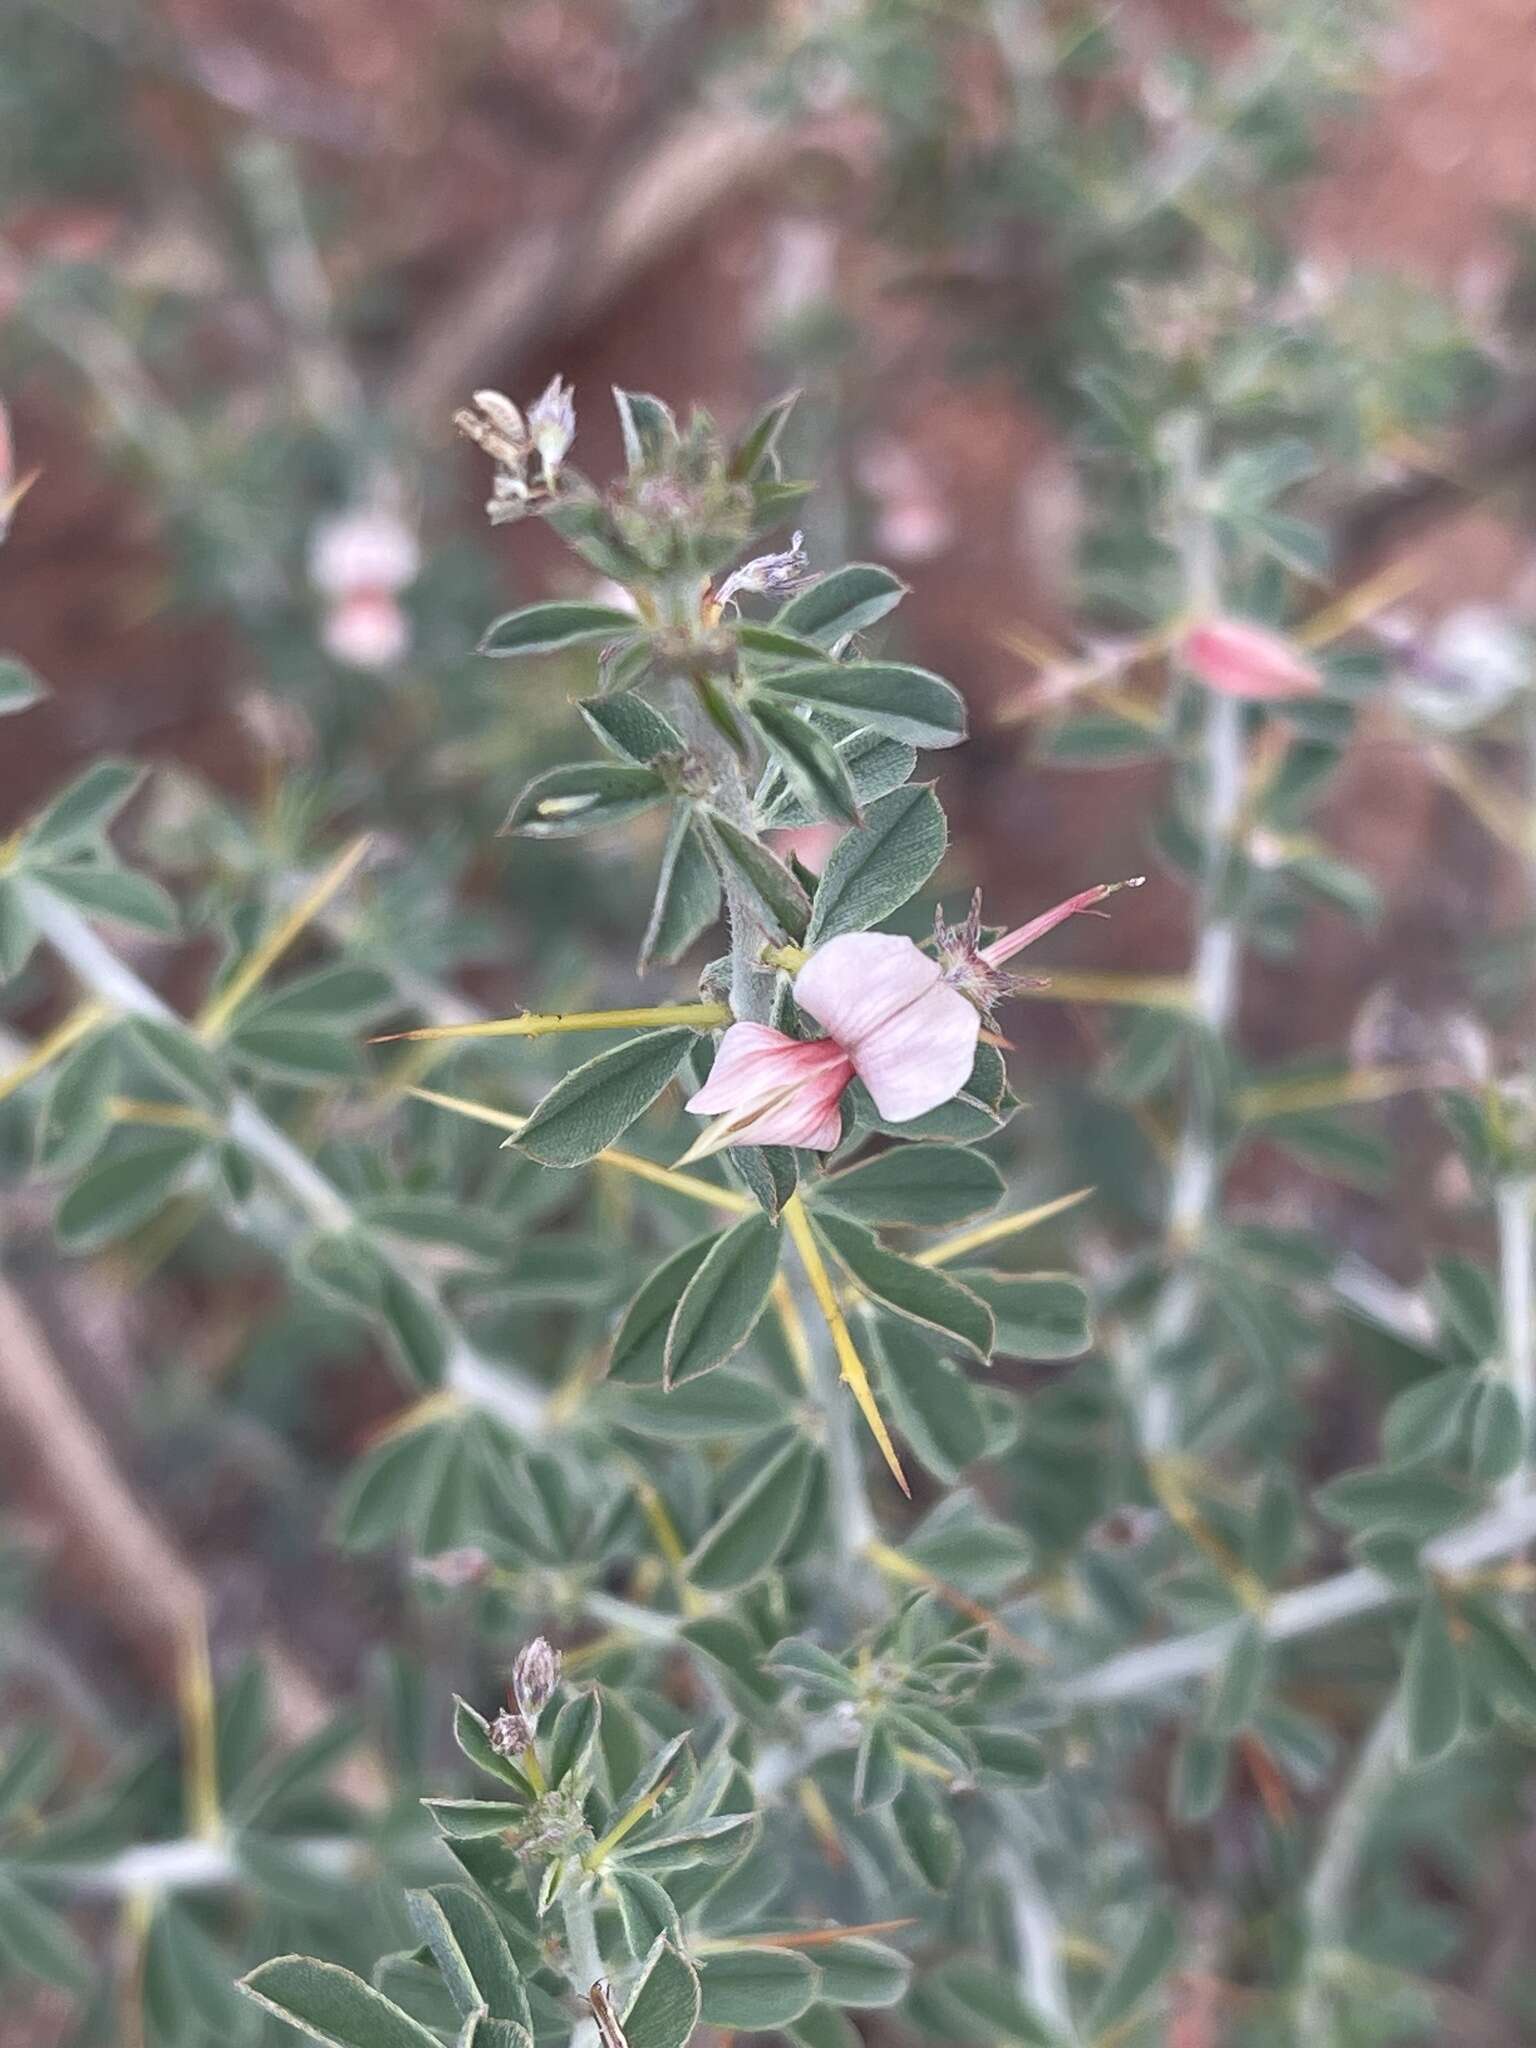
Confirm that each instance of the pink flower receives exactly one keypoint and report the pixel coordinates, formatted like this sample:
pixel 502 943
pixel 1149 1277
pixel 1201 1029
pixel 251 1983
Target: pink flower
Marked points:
pixel 897 1019
pixel 1244 660
pixel 891 1020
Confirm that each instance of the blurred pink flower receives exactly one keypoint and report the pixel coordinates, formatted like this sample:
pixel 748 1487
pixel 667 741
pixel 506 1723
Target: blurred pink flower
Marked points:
pixel 1243 660
pixel 366 630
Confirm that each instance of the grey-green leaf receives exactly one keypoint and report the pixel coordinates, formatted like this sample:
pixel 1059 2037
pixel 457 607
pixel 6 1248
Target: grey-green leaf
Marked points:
pixel 331 2005
pixel 723 1300
pixel 548 628
pixel 596 1103
pixel 846 601
pixel 910 704
pixel 923 1293
pixel 931 1185
pixel 583 797
pixel 881 864
pixel 757 1525
pixel 663 2008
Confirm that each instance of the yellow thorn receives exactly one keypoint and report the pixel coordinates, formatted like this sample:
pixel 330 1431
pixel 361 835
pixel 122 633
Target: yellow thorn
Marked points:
pixel 596 1855
pixel 853 1372
pixel 1146 991
pixel 430 1408
pixel 699 1016
pixel 1000 1227
pixel 1332 1091
pixel 265 956
pixel 792 1324
pixel 1361 603
pixel 200 1763
pixel 80 1023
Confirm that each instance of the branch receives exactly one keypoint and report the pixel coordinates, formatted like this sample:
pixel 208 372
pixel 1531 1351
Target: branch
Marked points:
pixel 517 1402
pixel 1348 1596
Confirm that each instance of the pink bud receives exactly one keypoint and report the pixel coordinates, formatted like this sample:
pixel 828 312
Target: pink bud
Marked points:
pixel 1244 660
pixel 366 630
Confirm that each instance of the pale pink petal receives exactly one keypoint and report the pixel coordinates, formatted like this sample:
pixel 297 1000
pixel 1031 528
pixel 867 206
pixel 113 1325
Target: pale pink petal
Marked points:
pixel 920 1057
pixel 854 984
pixel 1244 660
pixel 911 1037
pixel 1015 941
pixel 774 1089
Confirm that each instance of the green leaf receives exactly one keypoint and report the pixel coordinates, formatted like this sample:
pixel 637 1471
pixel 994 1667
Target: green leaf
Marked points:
pixel 663 2008
pixel 759 1522
pixel 1009 1755
pixel 930 1185
pixel 118 893
pixel 816 771
pixel 305 1055
pixel 18 934
pixel 1039 1315
pixel 647 1913
pixel 466 1820
pixel 756 454
pixel 1236 1684
pixel 757 1989
pixel 984 2005
pixel 20 688
pixel 650 431
pixel 596 1103
pixel 470 1950
pixel 720 1306
pixel 628 725
pixel 924 1294
pixel 180 1057
pixel 549 628
pixel 720 1839
pixel 908 703
pixel 846 601
pixel 880 865
pixel 783 897
pixel 1502 1658
pixel 77 1113
pixel 131 1181
pixel 36 1939
pixel 771 644
pixel 927 1833
pixel 1434 1689
pixel 930 1400
pixel 1149 1957
pixel 344 995
pixel 1198 1781
pixel 583 797
pixel 417 1328
pixel 877 1769
pixel 639 1348
pixel 472 1734
pixel 1411 1500
pixel 331 2005
pixel 83 811
pixel 865 1974
pixel 576 1730
pixel 874 764
pixel 687 893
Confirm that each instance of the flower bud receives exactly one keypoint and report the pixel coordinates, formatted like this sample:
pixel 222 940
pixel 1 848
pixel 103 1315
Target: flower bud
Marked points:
pixel 510 1733
pixel 1248 661
pixel 552 425
pixel 535 1676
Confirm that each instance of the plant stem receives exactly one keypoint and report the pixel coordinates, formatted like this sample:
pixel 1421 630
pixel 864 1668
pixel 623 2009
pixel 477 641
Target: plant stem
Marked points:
pixel 1332 1883
pixel 584 1957
pixel 1348 1596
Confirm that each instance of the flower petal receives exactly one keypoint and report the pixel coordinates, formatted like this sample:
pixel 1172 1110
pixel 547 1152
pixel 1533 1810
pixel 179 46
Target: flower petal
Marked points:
pixel 911 1038
pixel 770 1089
pixel 922 1056
pixel 1026 934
